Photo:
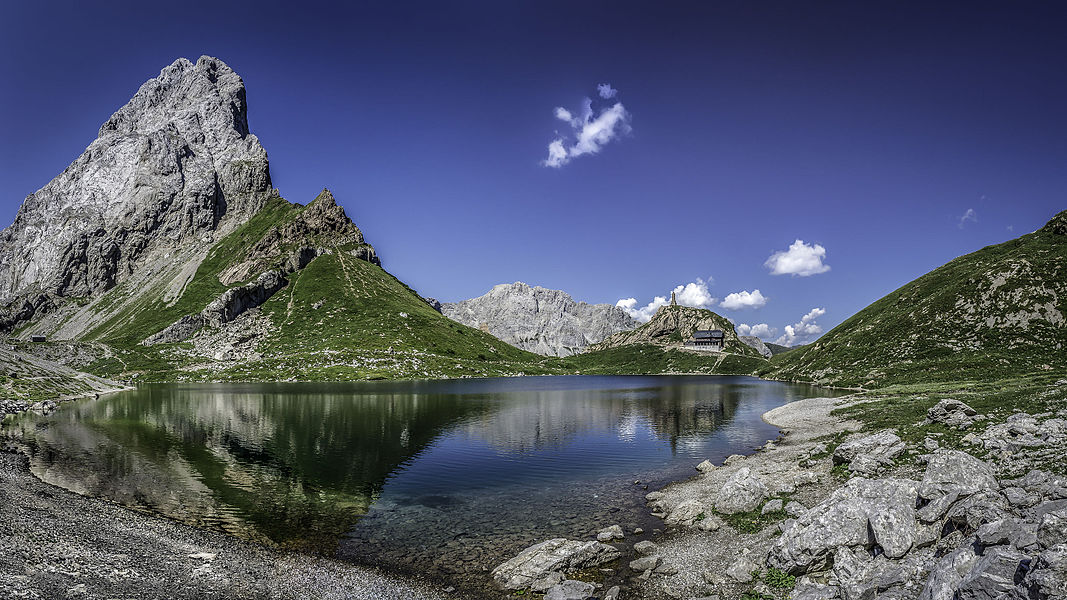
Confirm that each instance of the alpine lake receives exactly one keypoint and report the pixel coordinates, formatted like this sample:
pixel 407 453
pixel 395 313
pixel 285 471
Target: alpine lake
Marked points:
pixel 440 478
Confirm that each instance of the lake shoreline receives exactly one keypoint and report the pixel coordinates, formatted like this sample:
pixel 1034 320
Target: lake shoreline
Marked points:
pixel 82 512
pixel 58 544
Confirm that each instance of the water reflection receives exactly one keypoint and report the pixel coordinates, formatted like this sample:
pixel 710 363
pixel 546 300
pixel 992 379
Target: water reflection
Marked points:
pixel 390 467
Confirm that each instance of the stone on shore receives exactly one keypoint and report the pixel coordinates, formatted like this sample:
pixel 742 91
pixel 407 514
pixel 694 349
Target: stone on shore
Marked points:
pixel 559 554
pixel 570 590
pixel 861 513
pixel 742 492
pixel 685 513
pixel 607 534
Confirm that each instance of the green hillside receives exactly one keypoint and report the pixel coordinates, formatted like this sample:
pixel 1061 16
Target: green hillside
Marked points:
pixel 995 313
pixel 339 317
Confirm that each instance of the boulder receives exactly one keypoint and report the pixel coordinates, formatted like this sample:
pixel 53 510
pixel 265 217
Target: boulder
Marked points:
pixel 1008 531
pixel 772 506
pixel 795 509
pixel 645 563
pixel 953 471
pixel 870 454
pixel 608 534
pixel 860 577
pixel 861 513
pixel 706 467
pixel 570 590
pixel 1047 577
pixel 709 523
pixel 685 513
pixel 952 413
pixel 645 547
pixel 559 554
pixel 973 512
pixel 947 573
pixel 742 492
pixel 1052 530
pixel 742 568
pixel 993 576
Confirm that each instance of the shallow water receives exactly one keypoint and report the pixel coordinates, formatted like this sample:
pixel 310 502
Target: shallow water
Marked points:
pixel 445 477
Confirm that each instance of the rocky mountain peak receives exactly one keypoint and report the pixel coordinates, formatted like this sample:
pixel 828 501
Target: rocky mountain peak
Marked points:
pixel 168 173
pixel 538 319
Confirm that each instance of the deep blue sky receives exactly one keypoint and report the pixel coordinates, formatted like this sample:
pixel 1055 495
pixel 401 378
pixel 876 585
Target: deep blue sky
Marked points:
pixel 868 128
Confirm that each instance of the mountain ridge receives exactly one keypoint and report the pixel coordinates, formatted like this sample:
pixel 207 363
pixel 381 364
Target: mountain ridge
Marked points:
pixel 540 320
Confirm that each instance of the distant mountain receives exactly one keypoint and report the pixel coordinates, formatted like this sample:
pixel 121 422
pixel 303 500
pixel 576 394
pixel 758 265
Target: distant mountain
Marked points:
pixel 997 312
pixel 540 320
pixel 757 344
pixel 671 326
pixel 778 348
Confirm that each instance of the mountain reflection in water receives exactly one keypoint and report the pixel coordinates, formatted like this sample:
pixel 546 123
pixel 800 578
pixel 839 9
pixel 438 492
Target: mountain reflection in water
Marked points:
pixel 299 465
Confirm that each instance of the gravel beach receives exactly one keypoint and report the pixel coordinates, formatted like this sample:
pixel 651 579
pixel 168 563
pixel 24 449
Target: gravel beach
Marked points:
pixel 57 544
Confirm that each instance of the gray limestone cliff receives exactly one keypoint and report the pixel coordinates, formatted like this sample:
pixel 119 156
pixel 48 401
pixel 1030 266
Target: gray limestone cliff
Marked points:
pixel 540 320
pixel 169 172
pixel 754 342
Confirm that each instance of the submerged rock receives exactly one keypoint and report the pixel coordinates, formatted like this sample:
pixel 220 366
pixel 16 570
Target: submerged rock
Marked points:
pixel 570 590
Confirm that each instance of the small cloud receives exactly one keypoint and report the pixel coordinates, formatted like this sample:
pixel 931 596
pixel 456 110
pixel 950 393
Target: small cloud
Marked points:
pixel 1011 228
pixel 744 299
pixel 804 331
pixel 760 330
pixel 800 259
pixel 970 215
pixel 691 294
pixel 590 131
pixel 557 154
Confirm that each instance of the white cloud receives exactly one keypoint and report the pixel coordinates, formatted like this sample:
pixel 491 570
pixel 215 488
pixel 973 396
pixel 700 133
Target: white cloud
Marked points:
pixel 970 215
pixel 744 299
pixel 691 294
pixel 606 91
pixel 803 331
pixel 591 131
pixel 760 330
pixel 557 154
pixel 800 259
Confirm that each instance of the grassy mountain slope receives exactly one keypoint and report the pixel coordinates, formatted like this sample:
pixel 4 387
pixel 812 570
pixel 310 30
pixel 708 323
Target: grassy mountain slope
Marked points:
pixel 995 313
pixel 339 317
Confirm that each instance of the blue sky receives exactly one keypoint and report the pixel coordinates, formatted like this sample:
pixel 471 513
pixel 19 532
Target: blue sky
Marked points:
pixel 869 129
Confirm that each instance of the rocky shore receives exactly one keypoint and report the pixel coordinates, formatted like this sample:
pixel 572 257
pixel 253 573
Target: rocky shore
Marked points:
pixel 829 512
pixel 57 544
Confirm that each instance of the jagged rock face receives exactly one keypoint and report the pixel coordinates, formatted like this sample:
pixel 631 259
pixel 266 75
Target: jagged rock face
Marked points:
pixel 167 171
pixel 321 226
pixel 540 320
